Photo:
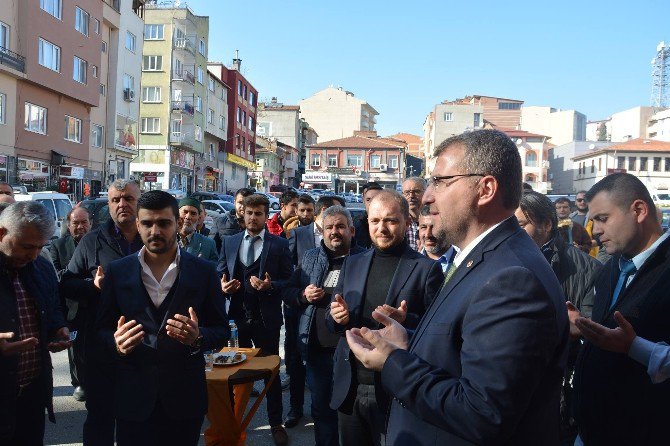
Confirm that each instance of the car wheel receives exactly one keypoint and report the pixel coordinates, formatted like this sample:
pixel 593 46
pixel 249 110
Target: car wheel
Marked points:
pixel 275 206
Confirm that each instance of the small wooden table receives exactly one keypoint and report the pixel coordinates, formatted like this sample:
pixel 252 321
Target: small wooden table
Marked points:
pixel 229 390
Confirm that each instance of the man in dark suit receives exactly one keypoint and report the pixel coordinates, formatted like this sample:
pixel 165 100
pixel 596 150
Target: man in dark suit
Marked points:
pixel 159 309
pixel 308 236
pixel 617 403
pixel 253 266
pixel 485 364
pixel 61 250
pixel 191 240
pixel 393 277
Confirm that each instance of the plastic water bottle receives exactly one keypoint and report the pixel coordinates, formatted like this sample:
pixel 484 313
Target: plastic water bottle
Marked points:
pixel 233 342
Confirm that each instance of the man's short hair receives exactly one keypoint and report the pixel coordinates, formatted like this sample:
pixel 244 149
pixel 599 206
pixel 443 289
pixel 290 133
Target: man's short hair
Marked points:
pixel 326 201
pixel 417 180
pixel 157 200
pixel 563 200
pixel 391 195
pixel 338 210
pixel 583 192
pixel 371 185
pixel 490 152
pixel 624 189
pixel 305 199
pixel 245 192
pixel 539 209
pixel 121 183
pixel 69 214
pixel 287 197
pixel 22 213
pixel 258 200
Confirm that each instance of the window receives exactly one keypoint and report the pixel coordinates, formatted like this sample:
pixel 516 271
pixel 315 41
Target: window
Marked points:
pixel 96 135
pixel 3 108
pixel 80 69
pixel 81 19
pixel 332 160
pixel 152 63
pixel 198 104
pixel 72 129
pixel 96 26
pixel 252 99
pixel 667 164
pixel 354 160
pixel 103 90
pixel 130 41
pixel 53 7
pixel 600 164
pixel 621 162
pixel 244 118
pixel 375 160
pixel 210 84
pixel 244 92
pixel 49 55
pixel 593 166
pixel 202 48
pixel 4 35
pixel 222 122
pixel 94 70
pixel 448 116
pixel 531 159
pixel 631 162
pixel 239 114
pixel 198 133
pixel 210 116
pixel 643 164
pixel 128 82
pixel 151 125
pixel 316 160
pixel 251 123
pixel 151 94
pixel 393 161
pixel 657 164
pixel 477 119
pixel 239 88
pixel 153 32
pixel 201 76
pixel 104 46
pixel 509 106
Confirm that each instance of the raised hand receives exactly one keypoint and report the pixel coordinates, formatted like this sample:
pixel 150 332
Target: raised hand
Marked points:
pixel 339 310
pixel 373 347
pixel 99 278
pixel 8 348
pixel 229 287
pixel 128 335
pixel 314 293
pixel 261 285
pixel 184 328
pixel 399 314
pixel 616 340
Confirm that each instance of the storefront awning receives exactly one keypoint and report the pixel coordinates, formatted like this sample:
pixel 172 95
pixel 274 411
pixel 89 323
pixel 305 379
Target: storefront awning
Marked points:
pixel 32 175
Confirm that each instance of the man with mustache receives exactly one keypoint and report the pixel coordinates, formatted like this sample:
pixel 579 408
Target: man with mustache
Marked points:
pixel 189 239
pixel 82 281
pixel 432 247
pixel 61 250
pixel 413 189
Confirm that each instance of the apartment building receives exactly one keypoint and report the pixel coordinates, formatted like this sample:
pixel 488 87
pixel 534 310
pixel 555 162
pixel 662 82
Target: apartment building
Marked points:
pixel 173 95
pixel 534 151
pixel 346 164
pixel 561 164
pixel 335 113
pixel 658 126
pixel 562 126
pixel 210 167
pixel 275 161
pixel 631 124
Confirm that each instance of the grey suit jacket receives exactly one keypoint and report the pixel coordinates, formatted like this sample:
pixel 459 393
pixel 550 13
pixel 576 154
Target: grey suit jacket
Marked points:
pixel 301 241
pixel 203 247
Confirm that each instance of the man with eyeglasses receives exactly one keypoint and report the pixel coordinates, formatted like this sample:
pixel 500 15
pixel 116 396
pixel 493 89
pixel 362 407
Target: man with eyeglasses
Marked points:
pixel 413 189
pixel 484 365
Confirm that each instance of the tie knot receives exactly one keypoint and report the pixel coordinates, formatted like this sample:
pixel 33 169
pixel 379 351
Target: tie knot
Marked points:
pixel 252 238
pixel 627 266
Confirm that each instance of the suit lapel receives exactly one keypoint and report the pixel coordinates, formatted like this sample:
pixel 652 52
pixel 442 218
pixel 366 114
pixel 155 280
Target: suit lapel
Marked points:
pixel 362 267
pixel 233 252
pixel 402 273
pixel 182 289
pixel 267 241
pixel 309 234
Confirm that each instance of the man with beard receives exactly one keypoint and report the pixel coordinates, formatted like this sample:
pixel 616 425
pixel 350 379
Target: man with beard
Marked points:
pixel 572 233
pixel 78 225
pixel 232 222
pixel 309 293
pixel 288 206
pixel 484 365
pixel 393 278
pixel 362 236
pixel 308 236
pixel 253 266
pixel 413 189
pixel 432 247
pixel 304 215
pixel 189 239
pixel 200 227
pixel 82 281
pixel 159 309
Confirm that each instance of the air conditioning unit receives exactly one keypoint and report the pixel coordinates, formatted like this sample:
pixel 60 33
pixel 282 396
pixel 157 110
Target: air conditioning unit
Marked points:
pixel 383 167
pixel 128 95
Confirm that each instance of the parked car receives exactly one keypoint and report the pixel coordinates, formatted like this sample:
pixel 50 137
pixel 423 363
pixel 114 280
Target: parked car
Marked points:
pixel 177 193
pixel 665 221
pixel 274 201
pixel 202 196
pixel 58 205
pixel 215 209
pixel 98 208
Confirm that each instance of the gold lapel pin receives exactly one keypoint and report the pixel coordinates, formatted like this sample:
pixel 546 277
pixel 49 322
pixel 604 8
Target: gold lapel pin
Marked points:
pixel 469 264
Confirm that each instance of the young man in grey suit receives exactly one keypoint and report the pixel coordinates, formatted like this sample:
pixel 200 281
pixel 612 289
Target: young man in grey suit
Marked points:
pixel 485 364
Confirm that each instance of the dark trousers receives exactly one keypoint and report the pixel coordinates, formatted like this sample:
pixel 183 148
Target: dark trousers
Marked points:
pixel 28 421
pixel 99 424
pixel 294 365
pixel 76 357
pixel 367 423
pixel 267 339
pixel 159 429
pixel 319 368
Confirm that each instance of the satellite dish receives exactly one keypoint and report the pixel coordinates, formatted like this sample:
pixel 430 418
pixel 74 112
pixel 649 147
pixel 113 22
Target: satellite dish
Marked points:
pixel 592 146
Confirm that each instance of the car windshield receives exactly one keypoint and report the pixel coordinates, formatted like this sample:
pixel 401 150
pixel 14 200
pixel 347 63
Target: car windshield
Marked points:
pixel 664 196
pixel 63 207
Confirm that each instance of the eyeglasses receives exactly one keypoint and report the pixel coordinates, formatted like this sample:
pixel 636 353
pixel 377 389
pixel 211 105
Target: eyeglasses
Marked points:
pixel 435 182
pixel 411 192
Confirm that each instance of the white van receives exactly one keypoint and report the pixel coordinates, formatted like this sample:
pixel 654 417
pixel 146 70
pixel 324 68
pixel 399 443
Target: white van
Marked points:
pixel 58 205
pixel 661 198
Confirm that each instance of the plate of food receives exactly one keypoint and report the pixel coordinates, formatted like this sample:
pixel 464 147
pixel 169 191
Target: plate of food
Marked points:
pixel 229 358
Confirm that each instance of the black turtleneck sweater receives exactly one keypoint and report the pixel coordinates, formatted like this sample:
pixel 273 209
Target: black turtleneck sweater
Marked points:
pixel 383 267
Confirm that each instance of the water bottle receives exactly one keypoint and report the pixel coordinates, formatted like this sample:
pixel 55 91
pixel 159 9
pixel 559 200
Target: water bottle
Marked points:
pixel 233 342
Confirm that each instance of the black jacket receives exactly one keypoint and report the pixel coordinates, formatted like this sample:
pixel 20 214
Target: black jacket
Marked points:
pixel 616 402
pixel 61 251
pixel 362 236
pixel 226 225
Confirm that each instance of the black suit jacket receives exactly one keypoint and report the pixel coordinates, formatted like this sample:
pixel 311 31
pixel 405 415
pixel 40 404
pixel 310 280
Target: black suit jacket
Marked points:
pixel 61 251
pixel 301 241
pixel 616 402
pixel 485 364
pixel 275 260
pixel 416 280
pixel 161 368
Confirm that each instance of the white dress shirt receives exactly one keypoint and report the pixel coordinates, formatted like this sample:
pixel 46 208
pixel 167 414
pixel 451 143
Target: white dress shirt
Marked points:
pixel 463 253
pixel 158 290
pixel 244 247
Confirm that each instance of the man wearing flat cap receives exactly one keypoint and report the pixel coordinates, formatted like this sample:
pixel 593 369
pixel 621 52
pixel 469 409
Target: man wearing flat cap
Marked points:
pixel 190 240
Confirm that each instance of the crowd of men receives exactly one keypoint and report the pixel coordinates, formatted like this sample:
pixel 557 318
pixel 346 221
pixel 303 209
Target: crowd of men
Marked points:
pixel 462 311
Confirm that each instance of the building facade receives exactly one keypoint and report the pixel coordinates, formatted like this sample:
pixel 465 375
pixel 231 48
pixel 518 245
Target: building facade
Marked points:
pixel 335 113
pixel 658 126
pixel 534 152
pixel 599 130
pixel 561 167
pixel 562 126
pixel 210 167
pixel 283 123
pixel 631 123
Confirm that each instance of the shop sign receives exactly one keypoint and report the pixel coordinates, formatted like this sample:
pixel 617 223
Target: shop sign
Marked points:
pixel 316 177
pixel 72 172
pixel 240 161
pixel 150 177
pixel 182 159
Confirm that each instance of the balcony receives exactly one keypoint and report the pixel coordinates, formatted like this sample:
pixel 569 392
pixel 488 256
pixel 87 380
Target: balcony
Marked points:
pixel 183 75
pixel 183 107
pixel 182 139
pixel 12 60
pixel 183 43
